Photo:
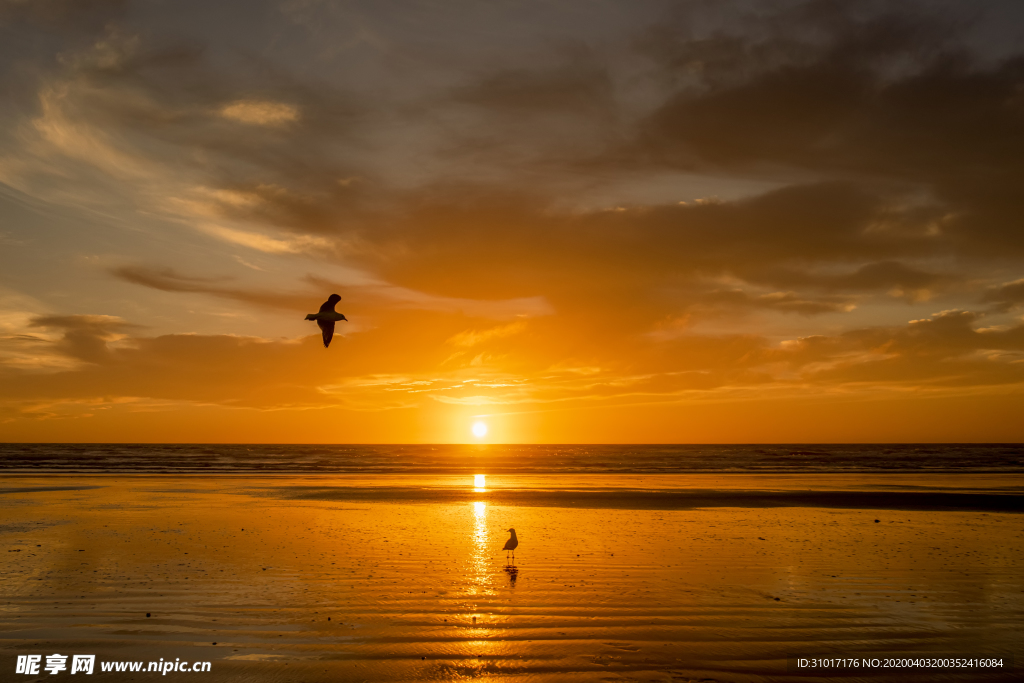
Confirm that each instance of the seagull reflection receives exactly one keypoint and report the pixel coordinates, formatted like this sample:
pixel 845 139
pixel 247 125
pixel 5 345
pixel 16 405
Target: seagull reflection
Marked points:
pixel 513 574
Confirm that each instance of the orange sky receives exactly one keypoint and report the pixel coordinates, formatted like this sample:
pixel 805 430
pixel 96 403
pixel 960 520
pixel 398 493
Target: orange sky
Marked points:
pixel 575 222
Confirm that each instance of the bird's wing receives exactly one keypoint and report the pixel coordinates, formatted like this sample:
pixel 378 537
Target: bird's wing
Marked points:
pixel 327 327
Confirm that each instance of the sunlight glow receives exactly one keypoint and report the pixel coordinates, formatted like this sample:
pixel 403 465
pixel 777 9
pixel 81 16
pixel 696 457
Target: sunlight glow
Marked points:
pixel 479 569
pixel 479 430
pixel 479 481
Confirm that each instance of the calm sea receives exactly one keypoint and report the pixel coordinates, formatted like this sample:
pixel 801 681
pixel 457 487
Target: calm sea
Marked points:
pixel 509 459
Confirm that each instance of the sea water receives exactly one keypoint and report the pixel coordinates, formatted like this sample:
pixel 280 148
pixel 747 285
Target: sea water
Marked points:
pixel 511 458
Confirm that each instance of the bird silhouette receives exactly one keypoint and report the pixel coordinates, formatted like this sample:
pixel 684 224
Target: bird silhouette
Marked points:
pixel 511 544
pixel 326 318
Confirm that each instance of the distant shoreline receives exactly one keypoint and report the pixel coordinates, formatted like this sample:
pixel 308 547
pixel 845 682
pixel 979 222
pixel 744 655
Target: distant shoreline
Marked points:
pixel 844 491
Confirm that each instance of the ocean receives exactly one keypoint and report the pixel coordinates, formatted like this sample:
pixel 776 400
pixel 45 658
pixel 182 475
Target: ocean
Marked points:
pixel 455 459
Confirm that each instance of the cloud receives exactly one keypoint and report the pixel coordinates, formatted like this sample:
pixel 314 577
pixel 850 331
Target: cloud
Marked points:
pixel 459 238
pixel 945 350
pixel 1007 296
pixel 858 229
pixel 64 14
pixel 260 113
pixel 157 116
pixel 471 338
pixel 321 212
pixel 517 366
pixel 170 280
pixel 265 243
pixel 85 337
pixel 487 216
pixel 787 302
pixel 371 294
pixel 80 140
pixel 893 96
pixel 578 82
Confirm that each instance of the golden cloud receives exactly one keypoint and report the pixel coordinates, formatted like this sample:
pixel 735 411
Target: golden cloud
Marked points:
pixel 260 113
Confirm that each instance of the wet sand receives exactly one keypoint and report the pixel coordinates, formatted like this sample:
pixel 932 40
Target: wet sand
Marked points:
pixel 392 578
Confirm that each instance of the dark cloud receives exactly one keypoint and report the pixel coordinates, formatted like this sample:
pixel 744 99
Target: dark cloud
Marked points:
pixel 581 85
pixel 450 241
pixel 786 302
pixel 1006 297
pixel 945 350
pixel 335 208
pixel 85 336
pixel 816 87
pixel 880 275
pixel 166 279
pixel 64 14
pixel 838 89
pixel 165 98
pixel 515 246
pixel 366 301
pixel 821 85
pixel 169 280
pixel 949 349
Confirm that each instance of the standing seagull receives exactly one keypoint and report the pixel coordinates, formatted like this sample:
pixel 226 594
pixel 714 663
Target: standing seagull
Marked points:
pixel 327 317
pixel 511 544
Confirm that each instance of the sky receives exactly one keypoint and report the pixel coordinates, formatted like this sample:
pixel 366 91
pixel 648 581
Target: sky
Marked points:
pixel 628 221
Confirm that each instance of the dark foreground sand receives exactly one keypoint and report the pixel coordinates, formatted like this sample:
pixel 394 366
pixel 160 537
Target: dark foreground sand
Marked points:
pixel 645 578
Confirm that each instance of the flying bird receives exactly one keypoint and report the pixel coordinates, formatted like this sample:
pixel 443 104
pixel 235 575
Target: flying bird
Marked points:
pixel 511 544
pixel 327 317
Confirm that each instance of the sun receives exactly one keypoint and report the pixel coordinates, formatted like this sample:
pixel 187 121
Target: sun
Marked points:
pixel 479 430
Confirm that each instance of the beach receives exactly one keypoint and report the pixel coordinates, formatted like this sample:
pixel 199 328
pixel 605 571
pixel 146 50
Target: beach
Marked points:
pixel 618 577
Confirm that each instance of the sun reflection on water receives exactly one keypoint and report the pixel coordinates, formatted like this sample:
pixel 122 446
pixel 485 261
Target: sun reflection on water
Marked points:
pixel 481 565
